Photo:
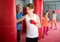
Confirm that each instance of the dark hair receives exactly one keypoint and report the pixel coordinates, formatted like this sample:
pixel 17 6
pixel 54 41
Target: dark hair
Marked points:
pixel 44 14
pixel 31 6
pixel 53 11
pixel 47 11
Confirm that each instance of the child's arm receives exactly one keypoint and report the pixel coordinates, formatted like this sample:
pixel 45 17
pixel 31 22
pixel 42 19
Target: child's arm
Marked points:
pixel 21 19
pixel 48 20
pixel 38 22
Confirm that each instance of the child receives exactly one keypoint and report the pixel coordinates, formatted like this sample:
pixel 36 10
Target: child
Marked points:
pixel 48 14
pixel 18 16
pixel 32 23
pixel 45 21
pixel 53 20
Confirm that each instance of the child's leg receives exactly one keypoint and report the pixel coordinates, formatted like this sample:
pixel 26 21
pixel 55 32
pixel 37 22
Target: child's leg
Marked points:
pixel 51 24
pixel 43 32
pixel 55 26
pixel 47 30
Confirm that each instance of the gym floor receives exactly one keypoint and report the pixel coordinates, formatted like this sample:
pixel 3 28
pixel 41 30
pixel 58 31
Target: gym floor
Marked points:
pixel 53 35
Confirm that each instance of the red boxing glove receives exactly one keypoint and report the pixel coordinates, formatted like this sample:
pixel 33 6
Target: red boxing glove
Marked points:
pixel 32 22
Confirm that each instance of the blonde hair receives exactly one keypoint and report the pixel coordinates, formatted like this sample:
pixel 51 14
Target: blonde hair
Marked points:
pixel 18 5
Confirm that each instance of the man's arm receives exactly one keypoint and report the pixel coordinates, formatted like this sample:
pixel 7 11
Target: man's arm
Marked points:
pixel 21 19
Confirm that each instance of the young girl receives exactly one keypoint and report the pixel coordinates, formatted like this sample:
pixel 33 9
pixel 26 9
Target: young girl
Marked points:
pixel 45 21
pixel 53 20
pixel 32 23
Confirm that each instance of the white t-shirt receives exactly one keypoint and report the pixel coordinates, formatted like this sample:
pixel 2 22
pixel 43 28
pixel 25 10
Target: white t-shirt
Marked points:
pixel 54 16
pixel 32 30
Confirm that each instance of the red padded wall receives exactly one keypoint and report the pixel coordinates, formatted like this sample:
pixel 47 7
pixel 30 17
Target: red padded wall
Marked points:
pixel 7 21
pixel 38 10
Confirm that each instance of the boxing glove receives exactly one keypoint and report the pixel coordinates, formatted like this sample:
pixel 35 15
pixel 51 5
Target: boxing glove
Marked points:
pixel 32 22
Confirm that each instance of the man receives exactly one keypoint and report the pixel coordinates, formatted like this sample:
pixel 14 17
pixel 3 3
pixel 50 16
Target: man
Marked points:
pixel 18 16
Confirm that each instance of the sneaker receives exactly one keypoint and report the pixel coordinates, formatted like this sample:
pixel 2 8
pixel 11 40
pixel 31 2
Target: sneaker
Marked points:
pixel 46 34
pixel 50 27
pixel 43 36
pixel 55 28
